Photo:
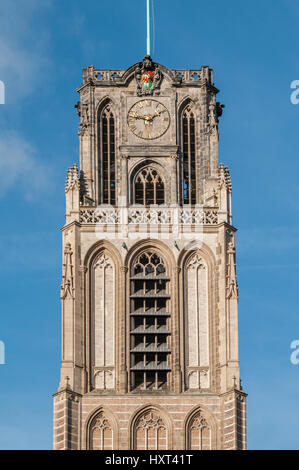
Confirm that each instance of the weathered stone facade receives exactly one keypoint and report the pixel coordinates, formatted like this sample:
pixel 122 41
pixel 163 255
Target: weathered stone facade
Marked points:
pixel 149 291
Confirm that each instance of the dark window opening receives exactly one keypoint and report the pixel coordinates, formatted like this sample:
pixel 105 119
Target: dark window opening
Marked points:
pixel 107 156
pixel 149 188
pixel 149 324
pixel 188 151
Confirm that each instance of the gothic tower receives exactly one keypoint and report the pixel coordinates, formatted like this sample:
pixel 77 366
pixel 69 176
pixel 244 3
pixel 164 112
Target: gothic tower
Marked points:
pixel 149 291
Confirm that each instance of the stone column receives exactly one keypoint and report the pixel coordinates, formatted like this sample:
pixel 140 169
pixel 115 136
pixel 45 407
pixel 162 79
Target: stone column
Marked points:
pixel 87 144
pixel 232 313
pixel 72 318
pixel 66 418
pixel 174 179
pixel 124 195
pixel 222 340
pixel 234 420
pixel 175 333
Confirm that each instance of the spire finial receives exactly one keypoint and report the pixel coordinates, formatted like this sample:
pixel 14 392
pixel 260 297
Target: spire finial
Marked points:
pixel 148 39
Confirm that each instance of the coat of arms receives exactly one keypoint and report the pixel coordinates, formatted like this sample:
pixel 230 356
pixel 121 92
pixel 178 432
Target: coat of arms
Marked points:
pixel 148 77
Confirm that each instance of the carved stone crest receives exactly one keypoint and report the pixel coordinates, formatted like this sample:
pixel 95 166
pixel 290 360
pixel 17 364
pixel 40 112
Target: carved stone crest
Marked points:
pixel 148 77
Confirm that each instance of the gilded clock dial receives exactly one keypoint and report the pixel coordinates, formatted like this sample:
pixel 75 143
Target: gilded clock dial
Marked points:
pixel 148 119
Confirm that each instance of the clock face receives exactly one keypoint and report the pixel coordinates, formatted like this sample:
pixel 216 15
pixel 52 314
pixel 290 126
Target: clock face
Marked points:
pixel 148 119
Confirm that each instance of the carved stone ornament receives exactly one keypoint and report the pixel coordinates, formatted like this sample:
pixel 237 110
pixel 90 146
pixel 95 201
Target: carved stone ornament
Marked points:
pixel 232 285
pixel 241 398
pixel 224 181
pixel 213 119
pixel 67 284
pixel 64 384
pixel 219 109
pixel 83 113
pixel 199 422
pixel 149 420
pixel 72 179
pixel 214 112
pixel 148 77
pixel 196 262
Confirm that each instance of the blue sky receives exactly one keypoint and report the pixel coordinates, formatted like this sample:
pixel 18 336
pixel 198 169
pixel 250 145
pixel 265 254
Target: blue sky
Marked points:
pixel 253 48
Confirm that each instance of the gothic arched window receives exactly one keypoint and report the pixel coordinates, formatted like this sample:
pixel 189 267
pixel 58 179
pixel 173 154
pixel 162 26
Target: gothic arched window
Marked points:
pixel 103 340
pixel 149 187
pixel 101 433
pixel 149 323
pixel 196 323
pixel 107 155
pixel 188 154
pixel 199 434
pixel 150 432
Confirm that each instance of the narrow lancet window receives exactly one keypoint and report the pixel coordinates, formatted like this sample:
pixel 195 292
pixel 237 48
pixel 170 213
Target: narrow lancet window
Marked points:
pixel 188 153
pixel 107 154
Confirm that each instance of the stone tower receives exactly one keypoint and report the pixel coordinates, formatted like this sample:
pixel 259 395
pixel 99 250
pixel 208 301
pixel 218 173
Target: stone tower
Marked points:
pixel 149 291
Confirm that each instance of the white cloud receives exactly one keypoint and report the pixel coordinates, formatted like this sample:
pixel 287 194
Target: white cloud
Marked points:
pixel 22 47
pixel 19 70
pixel 20 166
pixel 23 63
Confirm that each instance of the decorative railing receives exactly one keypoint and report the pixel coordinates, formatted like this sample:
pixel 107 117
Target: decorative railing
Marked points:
pixel 152 216
pixel 188 75
pixel 100 216
pixel 185 75
pixel 149 216
pixel 198 217
pixel 108 75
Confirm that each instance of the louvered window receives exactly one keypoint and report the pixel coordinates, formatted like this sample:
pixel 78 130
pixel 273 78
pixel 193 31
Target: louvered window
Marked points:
pixel 149 323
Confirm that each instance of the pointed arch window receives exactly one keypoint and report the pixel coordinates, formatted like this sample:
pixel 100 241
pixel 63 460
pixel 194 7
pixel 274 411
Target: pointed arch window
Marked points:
pixel 103 325
pixel 107 155
pixel 149 187
pixel 150 342
pixel 196 313
pixel 150 432
pixel 101 433
pixel 199 434
pixel 188 154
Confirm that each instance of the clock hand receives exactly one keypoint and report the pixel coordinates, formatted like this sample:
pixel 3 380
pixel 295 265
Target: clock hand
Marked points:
pixel 146 117
pixel 156 113
pixel 150 117
pixel 135 115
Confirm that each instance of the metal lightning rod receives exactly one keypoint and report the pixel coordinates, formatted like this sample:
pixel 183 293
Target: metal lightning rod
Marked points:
pixel 148 39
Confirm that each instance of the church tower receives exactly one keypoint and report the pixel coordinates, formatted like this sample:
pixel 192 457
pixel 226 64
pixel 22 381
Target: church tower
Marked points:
pixel 149 291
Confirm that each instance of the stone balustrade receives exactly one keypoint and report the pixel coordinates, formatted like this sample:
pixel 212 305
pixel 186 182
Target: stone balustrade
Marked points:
pixel 152 216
